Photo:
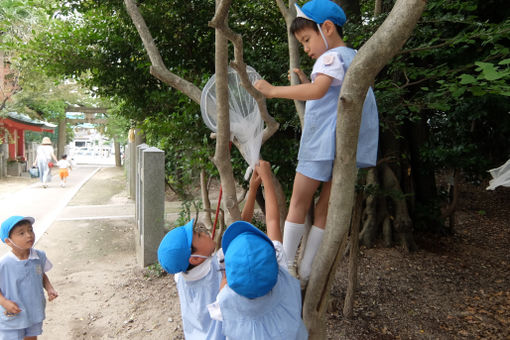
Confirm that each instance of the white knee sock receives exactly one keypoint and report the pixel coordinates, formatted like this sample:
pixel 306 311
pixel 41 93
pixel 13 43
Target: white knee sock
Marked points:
pixel 292 233
pixel 312 245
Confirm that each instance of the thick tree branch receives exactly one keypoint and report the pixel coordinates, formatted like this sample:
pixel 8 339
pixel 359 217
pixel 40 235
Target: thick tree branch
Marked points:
pixel 158 68
pixel 371 58
pixel 239 65
pixel 222 153
pixel 289 14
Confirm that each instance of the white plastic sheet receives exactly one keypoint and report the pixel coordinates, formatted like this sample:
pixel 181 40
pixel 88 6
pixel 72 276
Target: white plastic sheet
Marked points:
pixel 246 124
pixel 501 176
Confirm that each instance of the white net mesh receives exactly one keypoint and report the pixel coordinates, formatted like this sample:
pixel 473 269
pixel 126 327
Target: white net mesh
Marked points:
pixel 246 124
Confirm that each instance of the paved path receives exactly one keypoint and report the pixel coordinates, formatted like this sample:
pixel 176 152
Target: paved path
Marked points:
pixel 22 196
pixel 43 204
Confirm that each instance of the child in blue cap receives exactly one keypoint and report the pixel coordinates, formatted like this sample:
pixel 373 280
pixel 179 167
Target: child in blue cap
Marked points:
pixel 188 252
pixel 318 27
pixel 22 280
pixel 260 300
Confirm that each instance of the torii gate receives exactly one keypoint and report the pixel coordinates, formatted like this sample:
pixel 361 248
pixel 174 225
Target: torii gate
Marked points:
pixel 90 117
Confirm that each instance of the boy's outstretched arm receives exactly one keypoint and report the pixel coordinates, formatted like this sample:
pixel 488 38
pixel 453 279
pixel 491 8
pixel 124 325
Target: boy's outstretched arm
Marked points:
pixel 307 91
pixel 272 211
pixel 247 213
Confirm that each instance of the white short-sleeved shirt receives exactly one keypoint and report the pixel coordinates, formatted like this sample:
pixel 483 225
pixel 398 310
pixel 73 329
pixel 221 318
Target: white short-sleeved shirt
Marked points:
pixel 319 131
pixel 197 289
pixel 63 164
pixel 21 281
pixel 44 153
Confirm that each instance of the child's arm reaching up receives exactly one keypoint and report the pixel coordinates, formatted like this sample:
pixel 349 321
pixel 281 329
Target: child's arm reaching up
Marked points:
pixel 272 212
pixel 247 213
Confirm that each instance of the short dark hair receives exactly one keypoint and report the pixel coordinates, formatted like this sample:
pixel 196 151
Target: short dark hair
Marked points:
pixel 300 23
pixel 64 156
pixel 198 227
pixel 20 223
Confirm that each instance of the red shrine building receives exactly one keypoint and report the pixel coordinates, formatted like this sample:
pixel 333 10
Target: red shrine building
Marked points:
pixel 12 132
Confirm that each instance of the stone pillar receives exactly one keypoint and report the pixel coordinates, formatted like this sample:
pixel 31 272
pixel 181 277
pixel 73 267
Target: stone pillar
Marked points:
pixel 135 138
pixel 150 203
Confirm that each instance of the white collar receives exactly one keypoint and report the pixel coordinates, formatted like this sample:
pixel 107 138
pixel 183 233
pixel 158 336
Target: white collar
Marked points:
pixel 199 271
pixel 32 256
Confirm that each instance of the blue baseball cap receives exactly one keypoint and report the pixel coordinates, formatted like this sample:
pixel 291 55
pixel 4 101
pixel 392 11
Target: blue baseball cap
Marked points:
pixel 174 250
pixel 322 10
pixel 9 223
pixel 250 260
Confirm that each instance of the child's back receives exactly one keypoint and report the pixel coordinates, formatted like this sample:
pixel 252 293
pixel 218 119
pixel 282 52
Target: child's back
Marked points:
pixel 261 299
pixel 274 315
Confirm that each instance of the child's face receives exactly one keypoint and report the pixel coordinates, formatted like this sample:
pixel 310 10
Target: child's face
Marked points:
pixel 203 243
pixel 23 236
pixel 312 42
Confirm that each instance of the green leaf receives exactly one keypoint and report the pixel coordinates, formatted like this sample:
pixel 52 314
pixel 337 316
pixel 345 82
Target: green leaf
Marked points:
pixel 489 71
pixel 467 79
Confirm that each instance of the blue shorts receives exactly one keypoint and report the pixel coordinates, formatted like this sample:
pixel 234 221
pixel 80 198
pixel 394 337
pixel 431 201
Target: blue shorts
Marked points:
pixel 317 170
pixel 19 334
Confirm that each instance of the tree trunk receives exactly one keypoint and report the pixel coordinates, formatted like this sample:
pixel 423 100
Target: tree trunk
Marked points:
pixel 205 199
pixel 353 256
pixel 222 154
pixel 402 223
pixel 289 14
pixel 369 229
pixel 371 58
pixel 424 181
pixel 116 148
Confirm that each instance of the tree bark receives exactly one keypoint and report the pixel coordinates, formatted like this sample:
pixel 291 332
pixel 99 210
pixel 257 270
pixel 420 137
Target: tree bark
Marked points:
pixel 116 147
pixel 353 257
pixel 288 15
pixel 371 58
pixel 222 154
pixel 402 222
pixel 205 199
pixel 369 221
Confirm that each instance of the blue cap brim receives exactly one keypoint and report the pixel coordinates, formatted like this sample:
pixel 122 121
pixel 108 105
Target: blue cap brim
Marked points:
pixel 238 228
pixel 174 250
pixel 9 223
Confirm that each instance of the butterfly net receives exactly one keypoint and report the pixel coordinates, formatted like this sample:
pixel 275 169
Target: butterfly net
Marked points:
pixel 246 124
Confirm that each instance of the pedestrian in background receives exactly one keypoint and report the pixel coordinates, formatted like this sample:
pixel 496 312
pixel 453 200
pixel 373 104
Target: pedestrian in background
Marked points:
pixel 44 156
pixel 64 166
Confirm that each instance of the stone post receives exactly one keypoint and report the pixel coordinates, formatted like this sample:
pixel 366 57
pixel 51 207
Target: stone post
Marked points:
pixel 150 203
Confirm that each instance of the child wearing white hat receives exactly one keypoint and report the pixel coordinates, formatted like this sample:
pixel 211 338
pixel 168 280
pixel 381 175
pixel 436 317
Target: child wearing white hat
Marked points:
pixel 318 28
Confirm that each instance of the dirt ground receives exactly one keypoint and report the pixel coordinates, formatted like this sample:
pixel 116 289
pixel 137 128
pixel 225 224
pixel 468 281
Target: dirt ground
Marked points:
pixel 452 287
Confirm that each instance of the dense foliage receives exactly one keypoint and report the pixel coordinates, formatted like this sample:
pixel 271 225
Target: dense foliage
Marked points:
pixel 443 100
